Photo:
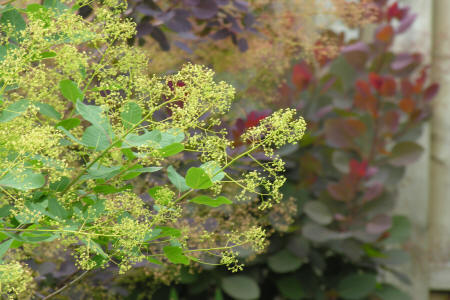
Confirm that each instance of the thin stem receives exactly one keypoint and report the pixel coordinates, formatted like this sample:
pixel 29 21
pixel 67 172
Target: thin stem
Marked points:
pixel 122 137
pixel 79 277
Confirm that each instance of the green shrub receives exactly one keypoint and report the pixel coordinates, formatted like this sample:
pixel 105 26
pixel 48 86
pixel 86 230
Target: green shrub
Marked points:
pixel 82 116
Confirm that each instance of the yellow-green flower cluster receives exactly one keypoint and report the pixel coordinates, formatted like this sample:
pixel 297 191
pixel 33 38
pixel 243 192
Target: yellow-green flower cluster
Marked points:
pixel 96 116
pixel 15 280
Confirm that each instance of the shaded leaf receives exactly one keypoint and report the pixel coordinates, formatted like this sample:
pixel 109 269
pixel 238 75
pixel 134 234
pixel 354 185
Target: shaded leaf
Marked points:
pixel 241 287
pixel 357 286
pixel 284 262
pixel 405 153
pixel 175 255
pixel 318 211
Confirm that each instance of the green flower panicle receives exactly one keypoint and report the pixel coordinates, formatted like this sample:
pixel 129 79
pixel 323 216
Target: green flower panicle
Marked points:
pixel 83 120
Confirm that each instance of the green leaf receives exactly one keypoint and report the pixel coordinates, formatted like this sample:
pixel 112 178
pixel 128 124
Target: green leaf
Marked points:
pixel 132 173
pixel 4 247
pixel 47 54
pixel 96 247
pixel 148 169
pixel 400 230
pixel 390 292
pixel 101 172
pixel 344 71
pixel 171 136
pixel 4 210
pixel 197 178
pixel 23 180
pixel 107 189
pixel 218 294
pixel 96 138
pixel 131 115
pixel 177 180
pixel 47 110
pixel 14 110
pixel 56 209
pixel 213 170
pixel 70 90
pixel 241 287
pixel 69 124
pixel 175 255
pixel 148 138
pixel 357 286
pixel 60 185
pixel 205 200
pixel 405 153
pixel 284 262
pixel 12 16
pixel 290 287
pixel 318 211
pixel 171 149
pixel 57 5
pixel 153 260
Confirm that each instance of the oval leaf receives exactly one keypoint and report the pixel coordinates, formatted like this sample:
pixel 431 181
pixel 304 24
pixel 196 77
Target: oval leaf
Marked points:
pixel 175 255
pixel 319 212
pixel 284 262
pixel 357 286
pixel 241 287
pixel 197 178
pixel 205 200
pixel 70 90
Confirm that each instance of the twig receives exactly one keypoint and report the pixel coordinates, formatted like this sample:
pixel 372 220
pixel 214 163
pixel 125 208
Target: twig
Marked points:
pixel 66 285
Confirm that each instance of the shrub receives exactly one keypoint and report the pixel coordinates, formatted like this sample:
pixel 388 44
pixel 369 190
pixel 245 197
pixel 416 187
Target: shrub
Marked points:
pixel 82 116
pixel 365 110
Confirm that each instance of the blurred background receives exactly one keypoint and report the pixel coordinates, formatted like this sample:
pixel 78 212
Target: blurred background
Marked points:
pixel 367 203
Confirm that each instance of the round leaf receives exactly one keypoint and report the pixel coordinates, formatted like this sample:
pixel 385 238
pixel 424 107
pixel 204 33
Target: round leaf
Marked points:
pixel 319 212
pixel 284 262
pixel 290 288
pixel 405 153
pixel 357 286
pixel 241 287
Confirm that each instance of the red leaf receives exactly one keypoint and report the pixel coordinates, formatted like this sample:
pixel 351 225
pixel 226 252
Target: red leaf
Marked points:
pixel 376 81
pixel 407 88
pixel 388 87
pixel 395 12
pixel 341 133
pixel 431 92
pixel 344 190
pixel 301 76
pixel 385 34
pixel 407 105
pixel 358 169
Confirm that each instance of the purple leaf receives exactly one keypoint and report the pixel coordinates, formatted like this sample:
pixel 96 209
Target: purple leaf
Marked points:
pixel 406 23
pixel 191 2
pixel 221 34
pixel 242 45
pixel 241 5
pixel 179 23
pixel 402 61
pixel 144 29
pixel 379 224
pixel 206 9
pixel 183 47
